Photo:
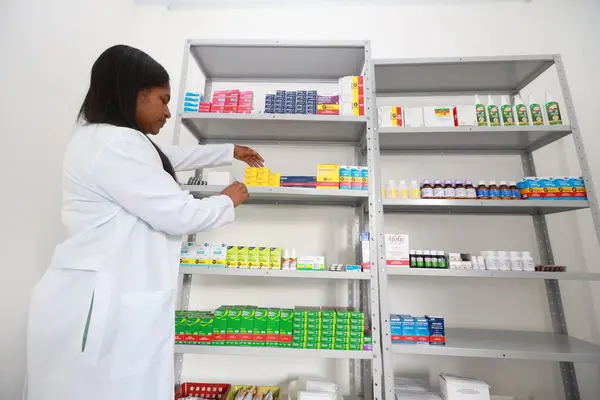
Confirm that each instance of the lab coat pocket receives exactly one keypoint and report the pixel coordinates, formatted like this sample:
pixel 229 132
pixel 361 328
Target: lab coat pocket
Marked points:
pixel 143 333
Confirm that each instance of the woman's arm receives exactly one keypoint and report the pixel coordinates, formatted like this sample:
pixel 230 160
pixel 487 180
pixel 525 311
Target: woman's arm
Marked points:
pixel 127 172
pixel 199 156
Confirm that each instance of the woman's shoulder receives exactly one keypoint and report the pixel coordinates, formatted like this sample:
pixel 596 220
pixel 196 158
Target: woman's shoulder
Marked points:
pixel 106 133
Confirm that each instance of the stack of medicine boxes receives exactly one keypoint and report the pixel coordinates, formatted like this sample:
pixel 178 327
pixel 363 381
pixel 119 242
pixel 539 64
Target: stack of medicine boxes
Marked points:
pixel 261 177
pixel 349 329
pixel 307 328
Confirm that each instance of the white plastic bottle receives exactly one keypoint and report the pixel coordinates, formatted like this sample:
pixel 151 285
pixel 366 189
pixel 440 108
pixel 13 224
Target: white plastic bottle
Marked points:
pixel 528 264
pixel 552 111
pixel 391 192
pixel 293 259
pixel 285 259
pixel 415 190
pixel 516 263
pixel 493 112
pixel 521 112
pixel 507 117
pixel 480 111
pixel 480 263
pixel 503 261
pixel 403 190
pixel 535 112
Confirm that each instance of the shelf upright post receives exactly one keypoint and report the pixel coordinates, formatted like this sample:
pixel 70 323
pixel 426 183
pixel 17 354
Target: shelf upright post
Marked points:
pixel 379 314
pixel 557 314
pixel 182 84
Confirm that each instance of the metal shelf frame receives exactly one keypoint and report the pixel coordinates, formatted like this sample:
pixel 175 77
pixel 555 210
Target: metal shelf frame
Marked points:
pixel 506 75
pixel 296 61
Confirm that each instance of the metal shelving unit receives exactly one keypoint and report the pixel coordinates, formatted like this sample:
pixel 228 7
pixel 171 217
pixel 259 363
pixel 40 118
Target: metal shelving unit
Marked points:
pixel 293 61
pixel 487 75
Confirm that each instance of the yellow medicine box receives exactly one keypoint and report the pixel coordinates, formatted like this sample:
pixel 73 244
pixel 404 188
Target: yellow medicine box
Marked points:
pixel 328 176
pixel 275 180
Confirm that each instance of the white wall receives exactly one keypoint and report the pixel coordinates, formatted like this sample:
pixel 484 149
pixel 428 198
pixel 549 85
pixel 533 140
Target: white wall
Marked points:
pixel 47 52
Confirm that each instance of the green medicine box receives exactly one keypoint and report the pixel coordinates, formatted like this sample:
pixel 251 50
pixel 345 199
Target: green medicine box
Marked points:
pixel 326 346
pixel 313 312
pixel 180 330
pixel 286 329
pixel 234 323
pixel 327 340
pixel 357 334
pixel 220 326
pixel 273 321
pixel 355 347
pixel 328 313
pixel 247 326
pixel 341 346
pixel 259 329
pixel 313 326
pixel 310 345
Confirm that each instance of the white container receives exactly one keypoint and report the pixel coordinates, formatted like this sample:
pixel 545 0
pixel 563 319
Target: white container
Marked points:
pixel 480 263
pixel 493 112
pixel 521 112
pixel 465 116
pixel 415 190
pixel 454 387
pixel 491 261
pixel 413 117
pixel 293 259
pixel 391 191
pixel 516 263
pixel 397 250
pixel 403 190
pixel 218 178
pixel 507 117
pixel 438 116
pixel 528 264
pixel 503 261
pixel 285 259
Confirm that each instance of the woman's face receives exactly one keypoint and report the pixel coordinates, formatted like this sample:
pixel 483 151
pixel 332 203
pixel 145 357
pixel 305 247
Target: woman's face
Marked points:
pixel 152 109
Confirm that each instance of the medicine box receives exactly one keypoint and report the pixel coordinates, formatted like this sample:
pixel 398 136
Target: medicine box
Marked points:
pixel 310 263
pixel 328 104
pixel 253 255
pixel 409 329
pixel 397 250
pixel 234 323
pixel 328 176
pixel 275 258
pixel 264 254
pixel 203 255
pixel 437 331
pixel 286 327
pixel 453 387
pixel 259 329
pixel 299 181
pixel 345 181
pixel 180 329
pixel 247 326
pixel 421 330
pixel 364 173
pixel 465 116
pixel 220 326
pixel 438 116
pixel 218 255
pixel 231 259
pixel 273 321
pixel 242 257
pixel 365 251
pixel 413 117
pixel 356 178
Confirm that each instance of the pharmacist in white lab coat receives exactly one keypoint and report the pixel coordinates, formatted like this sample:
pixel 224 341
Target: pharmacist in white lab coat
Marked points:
pixel 101 323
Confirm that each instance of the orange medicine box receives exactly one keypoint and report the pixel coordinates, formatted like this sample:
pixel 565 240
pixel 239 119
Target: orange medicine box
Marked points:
pixel 328 176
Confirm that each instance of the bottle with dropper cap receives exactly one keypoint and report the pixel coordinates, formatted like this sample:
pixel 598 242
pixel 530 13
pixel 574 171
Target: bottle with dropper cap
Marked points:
pixel 520 112
pixel 493 112
pixel 506 112
pixel 536 112
pixel 552 110
pixel 482 119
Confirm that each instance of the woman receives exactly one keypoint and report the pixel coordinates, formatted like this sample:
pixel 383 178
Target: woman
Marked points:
pixel 101 318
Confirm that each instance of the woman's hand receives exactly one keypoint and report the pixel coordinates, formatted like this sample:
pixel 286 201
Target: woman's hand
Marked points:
pixel 237 192
pixel 247 155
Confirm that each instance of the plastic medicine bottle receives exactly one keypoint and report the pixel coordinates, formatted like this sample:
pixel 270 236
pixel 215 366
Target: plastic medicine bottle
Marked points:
pixel 470 191
pixel 515 192
pixel 415 190
pixel 449 192
pixel 505 191
pixel 528 264
pixel 427 190
pixel 459 189
pixel 503 261
pixel 516 263
pixel 402 190
pixel 482 191
pixel 494 191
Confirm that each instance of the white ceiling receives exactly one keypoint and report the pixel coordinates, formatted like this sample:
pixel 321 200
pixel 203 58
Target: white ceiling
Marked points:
pixel 300 3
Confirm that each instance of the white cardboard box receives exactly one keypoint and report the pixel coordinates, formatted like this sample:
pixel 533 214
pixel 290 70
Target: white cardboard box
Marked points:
pixel 366 251
pixel 438 116
pixel 453 387
pixel 396 250
pixel 218 178
pixel 465 116
pixel 413 117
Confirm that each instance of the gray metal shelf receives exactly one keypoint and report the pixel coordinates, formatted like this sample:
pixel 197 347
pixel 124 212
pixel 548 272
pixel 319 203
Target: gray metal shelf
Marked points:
pixel 519 345
pixel 274 352
pixel 477 75
pixel 507 139
pixel 278 60
pixel 460 273
pixel 273 128
pixel 287 195
pixel 275 273
pixel 504 207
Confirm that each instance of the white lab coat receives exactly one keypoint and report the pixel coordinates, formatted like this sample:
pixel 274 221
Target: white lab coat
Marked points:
pixel 125 217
